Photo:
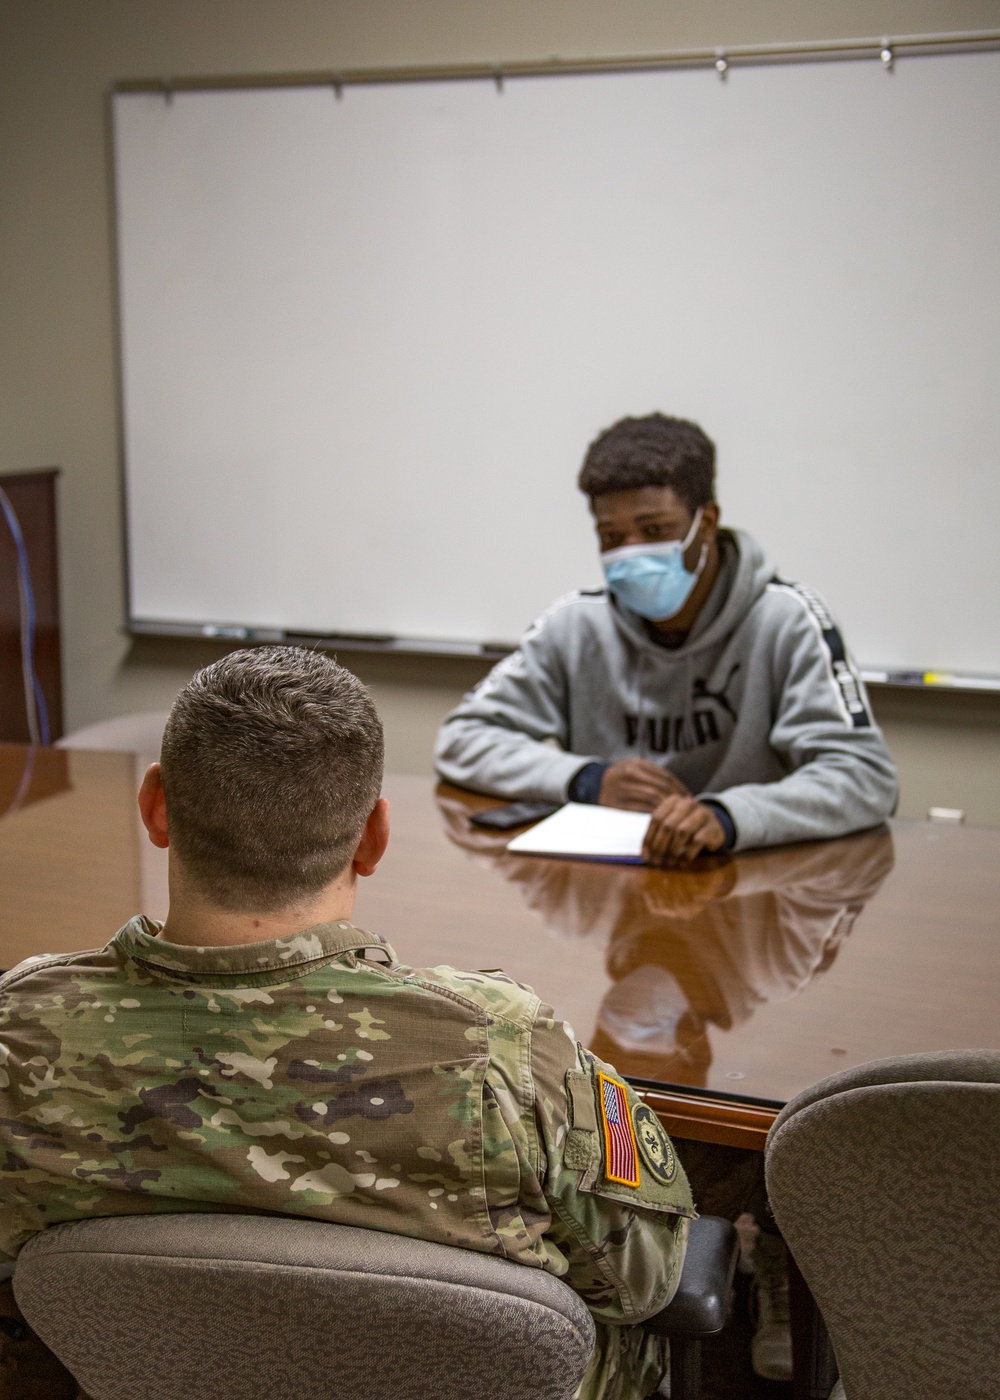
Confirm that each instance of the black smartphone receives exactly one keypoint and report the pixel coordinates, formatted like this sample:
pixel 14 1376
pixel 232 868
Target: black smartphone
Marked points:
pixel 513 814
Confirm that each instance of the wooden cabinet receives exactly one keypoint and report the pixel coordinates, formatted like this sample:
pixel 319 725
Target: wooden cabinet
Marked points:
pixel 33 497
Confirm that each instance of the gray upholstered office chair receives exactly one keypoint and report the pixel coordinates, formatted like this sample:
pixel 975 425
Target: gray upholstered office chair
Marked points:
pixel 238 1307
pixel 885 1181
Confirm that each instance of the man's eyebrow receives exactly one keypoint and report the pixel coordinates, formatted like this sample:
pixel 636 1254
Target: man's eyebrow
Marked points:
pixel 659 514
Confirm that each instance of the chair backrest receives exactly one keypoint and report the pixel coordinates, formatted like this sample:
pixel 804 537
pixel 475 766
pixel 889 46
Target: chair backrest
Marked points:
pixel 242 1307
pixel 885 1182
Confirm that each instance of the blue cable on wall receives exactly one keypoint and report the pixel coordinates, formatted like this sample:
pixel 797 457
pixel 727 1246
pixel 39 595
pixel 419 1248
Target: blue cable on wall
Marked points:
pixel 34 699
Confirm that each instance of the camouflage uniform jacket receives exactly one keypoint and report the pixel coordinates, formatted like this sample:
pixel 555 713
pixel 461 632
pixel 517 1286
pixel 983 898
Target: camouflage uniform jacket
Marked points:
pixel 316 1076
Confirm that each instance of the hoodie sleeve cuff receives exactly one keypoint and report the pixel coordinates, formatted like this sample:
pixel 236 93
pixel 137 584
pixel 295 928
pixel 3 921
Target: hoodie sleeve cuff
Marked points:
pixel 585 785
pixel 723 817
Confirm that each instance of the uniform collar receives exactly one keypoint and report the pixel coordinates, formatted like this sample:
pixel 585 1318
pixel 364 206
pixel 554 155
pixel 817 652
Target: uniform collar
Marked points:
pixel 292 955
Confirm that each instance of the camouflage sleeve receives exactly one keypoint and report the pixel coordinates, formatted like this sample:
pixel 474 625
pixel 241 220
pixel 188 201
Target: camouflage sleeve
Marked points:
pixel 619 1199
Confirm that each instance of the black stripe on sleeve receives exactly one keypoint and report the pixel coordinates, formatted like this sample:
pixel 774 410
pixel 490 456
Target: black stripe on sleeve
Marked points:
pixel 845 677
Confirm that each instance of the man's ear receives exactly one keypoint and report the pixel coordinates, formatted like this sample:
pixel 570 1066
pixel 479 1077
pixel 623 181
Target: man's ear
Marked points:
pixel 374 839
pixel 710 518
pixel 153 806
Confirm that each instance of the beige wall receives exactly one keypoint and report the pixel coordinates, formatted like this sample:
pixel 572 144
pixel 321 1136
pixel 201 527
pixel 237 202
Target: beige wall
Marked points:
pixel 57 337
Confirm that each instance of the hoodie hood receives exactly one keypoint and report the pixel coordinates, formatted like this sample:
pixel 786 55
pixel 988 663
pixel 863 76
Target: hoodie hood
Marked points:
pixel 744 573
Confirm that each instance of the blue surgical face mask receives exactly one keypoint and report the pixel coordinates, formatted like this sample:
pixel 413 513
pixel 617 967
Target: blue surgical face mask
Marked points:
pixel 650 579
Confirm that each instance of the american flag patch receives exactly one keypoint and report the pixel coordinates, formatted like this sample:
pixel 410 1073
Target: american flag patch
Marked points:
pixel 621 1161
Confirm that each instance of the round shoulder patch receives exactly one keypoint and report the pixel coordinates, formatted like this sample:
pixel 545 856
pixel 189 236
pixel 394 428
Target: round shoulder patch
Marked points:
pixel 657 1152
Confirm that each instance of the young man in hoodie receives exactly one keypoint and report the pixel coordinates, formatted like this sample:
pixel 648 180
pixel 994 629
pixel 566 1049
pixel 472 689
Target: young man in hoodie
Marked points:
pixel 698 685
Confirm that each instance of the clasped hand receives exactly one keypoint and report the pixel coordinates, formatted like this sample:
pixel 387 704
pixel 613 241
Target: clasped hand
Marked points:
pixel 680 826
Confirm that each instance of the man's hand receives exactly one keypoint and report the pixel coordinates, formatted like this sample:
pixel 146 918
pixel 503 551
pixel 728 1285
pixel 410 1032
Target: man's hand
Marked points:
pixel 638 785
pixel 680 829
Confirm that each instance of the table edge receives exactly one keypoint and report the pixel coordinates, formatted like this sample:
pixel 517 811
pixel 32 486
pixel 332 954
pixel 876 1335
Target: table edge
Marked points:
pixel 723 1121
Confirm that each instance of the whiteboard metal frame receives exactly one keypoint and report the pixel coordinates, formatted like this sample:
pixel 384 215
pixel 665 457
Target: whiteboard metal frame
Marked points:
pixel 898 46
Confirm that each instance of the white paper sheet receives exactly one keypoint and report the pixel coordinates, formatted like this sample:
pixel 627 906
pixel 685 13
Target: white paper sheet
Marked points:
pixel 588 832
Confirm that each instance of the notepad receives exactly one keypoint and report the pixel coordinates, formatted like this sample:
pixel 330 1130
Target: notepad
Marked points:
pixel 587 832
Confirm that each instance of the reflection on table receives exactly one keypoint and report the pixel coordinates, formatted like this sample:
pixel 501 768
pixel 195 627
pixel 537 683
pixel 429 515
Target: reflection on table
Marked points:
pixel 70 857
pixel 690 949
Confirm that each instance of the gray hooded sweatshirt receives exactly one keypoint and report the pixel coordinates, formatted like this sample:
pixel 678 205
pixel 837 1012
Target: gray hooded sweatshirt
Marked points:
pixel 761 708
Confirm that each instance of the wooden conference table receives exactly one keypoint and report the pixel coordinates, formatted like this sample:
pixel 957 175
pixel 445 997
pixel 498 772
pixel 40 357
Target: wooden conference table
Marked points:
pixel 730 987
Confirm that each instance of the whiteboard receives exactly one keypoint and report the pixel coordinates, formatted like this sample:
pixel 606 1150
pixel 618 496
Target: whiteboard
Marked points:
pixel 366 340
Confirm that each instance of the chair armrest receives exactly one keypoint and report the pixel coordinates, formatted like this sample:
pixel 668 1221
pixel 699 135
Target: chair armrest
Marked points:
pixel 700 1305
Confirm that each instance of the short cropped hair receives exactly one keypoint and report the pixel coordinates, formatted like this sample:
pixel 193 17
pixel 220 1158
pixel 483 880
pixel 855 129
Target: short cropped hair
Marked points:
pixel 271 765
pixel 651 451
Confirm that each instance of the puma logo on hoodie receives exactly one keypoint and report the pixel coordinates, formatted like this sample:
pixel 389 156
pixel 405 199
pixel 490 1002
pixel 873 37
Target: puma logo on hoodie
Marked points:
pixel 663 734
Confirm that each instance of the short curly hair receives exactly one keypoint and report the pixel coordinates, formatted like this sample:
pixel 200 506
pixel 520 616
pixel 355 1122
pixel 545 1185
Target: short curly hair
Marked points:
pixel 651 451
pixel 271 765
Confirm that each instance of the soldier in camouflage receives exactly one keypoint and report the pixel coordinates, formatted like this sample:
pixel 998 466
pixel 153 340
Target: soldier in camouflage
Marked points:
pixel 261 1053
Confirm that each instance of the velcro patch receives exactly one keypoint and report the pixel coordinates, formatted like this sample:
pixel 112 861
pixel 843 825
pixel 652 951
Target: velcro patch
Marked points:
pixel 580 1088
pixel 580 1152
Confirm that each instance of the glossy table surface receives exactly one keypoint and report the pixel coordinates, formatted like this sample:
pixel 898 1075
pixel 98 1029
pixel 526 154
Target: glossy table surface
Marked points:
pixel 743 979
